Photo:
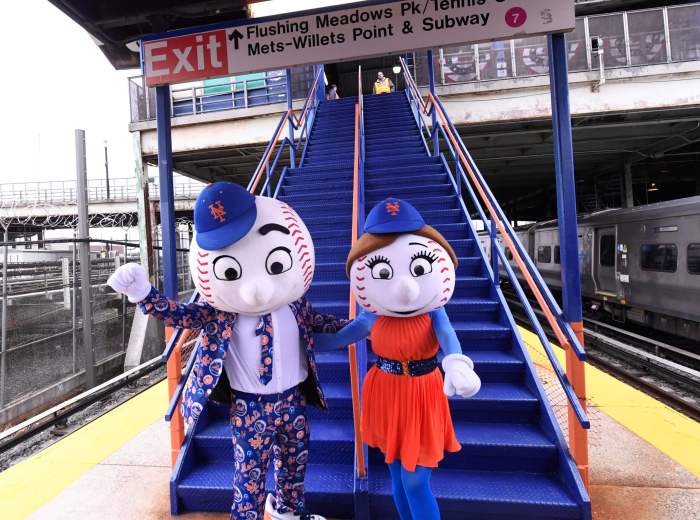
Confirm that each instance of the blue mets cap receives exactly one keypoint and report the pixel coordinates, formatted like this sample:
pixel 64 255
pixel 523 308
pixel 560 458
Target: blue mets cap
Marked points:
pixel 393 216
pixel 223 214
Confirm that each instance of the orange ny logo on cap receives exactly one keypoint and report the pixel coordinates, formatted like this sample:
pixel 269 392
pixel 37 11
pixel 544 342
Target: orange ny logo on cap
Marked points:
pixel 217 211
pixel 393 208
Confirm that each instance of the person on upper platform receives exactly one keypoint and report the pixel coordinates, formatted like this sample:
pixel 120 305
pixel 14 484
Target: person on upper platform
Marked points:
pixel 333 93
pixel 383 85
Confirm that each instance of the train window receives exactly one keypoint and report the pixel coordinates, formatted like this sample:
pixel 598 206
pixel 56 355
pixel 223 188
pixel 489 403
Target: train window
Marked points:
pixel 694 258
pixel 544 254
pixel 606 252
pixel 659 257
pixel 557 255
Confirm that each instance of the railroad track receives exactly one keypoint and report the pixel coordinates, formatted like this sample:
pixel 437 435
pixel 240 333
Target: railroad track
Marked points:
pixel 666 372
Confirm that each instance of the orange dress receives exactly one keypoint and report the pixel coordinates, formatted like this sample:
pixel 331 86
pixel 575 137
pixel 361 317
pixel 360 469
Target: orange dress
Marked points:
pixel 406 417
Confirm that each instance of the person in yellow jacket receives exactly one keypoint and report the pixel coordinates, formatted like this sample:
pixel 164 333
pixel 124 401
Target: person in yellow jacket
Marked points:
pixel 383 85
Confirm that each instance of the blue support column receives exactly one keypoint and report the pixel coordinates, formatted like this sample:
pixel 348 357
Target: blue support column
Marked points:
pixel 568 236
pixel 565 179
pixel 167 199
pixel 431 79
pixel 292 158
pixel 321 91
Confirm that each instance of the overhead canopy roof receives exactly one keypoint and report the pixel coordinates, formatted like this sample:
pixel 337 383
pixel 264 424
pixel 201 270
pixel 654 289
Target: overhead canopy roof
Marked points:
pixel 116 23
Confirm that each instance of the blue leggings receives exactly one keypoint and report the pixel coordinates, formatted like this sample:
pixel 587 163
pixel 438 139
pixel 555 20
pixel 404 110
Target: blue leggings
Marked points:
pixel 412 494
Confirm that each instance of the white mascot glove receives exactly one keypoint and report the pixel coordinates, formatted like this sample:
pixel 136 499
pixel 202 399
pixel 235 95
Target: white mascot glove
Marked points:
pixel 130 279
pixel 460 378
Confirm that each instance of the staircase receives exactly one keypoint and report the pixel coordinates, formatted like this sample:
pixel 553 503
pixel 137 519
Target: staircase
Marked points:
pixel 514 463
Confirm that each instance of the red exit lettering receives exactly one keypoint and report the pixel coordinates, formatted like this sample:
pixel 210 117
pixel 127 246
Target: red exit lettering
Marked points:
pixel 185 58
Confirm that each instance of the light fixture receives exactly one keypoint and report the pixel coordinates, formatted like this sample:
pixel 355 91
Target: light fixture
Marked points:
pixel 396 69
pixel 653 187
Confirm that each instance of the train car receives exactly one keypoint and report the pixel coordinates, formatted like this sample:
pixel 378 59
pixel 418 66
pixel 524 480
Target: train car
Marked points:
pixel 638 264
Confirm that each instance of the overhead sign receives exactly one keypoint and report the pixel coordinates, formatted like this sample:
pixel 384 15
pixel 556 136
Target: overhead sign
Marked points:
pixel 326 36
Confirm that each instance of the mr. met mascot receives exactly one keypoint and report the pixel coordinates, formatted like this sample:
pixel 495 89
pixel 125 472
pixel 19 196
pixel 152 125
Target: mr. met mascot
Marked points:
pixel 252 261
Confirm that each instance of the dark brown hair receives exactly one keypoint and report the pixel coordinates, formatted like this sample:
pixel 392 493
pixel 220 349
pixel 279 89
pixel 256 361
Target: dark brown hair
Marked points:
pixel 370 242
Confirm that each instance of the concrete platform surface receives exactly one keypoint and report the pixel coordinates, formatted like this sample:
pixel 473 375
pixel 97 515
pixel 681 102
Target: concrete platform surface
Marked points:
pixel 118 467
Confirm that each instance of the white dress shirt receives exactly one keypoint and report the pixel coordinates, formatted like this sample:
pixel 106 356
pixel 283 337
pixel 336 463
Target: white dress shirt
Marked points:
pixel 242 361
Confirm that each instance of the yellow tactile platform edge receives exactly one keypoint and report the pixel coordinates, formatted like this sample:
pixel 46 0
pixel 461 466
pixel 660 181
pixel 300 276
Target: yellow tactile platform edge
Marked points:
pixel 27 486
pixel 667 430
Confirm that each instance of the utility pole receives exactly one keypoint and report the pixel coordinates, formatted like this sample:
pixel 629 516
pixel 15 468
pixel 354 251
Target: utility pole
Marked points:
pixel 107 169
pixel 84 252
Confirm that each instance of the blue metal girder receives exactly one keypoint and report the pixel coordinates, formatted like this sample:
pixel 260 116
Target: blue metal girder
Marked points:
pixel 167 199
pixel 565 179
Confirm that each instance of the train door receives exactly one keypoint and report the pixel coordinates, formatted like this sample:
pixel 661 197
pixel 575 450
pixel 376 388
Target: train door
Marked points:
pixel 604 261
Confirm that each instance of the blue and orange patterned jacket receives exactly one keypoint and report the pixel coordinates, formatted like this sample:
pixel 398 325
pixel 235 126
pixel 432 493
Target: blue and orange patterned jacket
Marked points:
pixel 217 329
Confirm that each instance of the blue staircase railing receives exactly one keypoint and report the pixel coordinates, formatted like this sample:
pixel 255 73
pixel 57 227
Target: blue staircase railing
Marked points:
pixel 496 223
pixel 304 122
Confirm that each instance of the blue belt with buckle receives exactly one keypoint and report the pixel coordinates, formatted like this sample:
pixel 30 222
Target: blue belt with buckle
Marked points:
pixel 407 368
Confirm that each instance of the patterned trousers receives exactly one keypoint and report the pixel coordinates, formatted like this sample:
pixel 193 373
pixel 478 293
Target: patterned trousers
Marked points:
pixel 263 426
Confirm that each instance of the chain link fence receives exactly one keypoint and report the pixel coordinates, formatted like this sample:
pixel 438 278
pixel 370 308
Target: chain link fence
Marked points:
pixel 43 356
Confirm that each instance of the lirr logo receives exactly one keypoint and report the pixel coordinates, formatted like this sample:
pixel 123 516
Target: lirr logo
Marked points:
pixel 185 58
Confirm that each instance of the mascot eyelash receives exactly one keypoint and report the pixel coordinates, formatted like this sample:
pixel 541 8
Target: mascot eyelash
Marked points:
pixel 430 257
pixel 379 259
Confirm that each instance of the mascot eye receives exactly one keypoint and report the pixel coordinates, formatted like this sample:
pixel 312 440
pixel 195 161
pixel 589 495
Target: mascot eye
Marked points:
pixel 227 268
pixel 381 268
pixel 278 261
pixel 422 263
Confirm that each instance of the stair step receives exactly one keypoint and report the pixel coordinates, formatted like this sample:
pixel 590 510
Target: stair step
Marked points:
pixel 391 141
pixel 484 495
pixel 404 182
pixel 403 174
pixel 381 163
pixel 329 488
pixel 327 187
pixel 497 447
pixel 333 441
pixel 340 168
pixel 434 190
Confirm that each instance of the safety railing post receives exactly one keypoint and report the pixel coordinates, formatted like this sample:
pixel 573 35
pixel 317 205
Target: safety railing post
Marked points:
pixel 292 158
pixel 568 237
pixel 431 78
pixel 494 251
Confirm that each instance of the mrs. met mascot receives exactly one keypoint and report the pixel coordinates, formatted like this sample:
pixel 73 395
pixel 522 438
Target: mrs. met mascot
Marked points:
pixel 252 261
pixel 402 272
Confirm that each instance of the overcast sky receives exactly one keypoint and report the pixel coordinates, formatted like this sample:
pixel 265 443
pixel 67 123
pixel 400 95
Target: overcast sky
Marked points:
pixel 54 80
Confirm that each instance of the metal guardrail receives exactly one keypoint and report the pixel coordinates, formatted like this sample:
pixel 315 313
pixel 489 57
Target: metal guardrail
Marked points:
pixel 225 94
pixel 65 192
pixel 630 39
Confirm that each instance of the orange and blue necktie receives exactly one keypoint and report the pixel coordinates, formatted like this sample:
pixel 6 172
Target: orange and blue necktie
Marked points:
pixel 264 330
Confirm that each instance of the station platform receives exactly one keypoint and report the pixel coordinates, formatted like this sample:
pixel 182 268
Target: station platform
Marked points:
pixel 644 460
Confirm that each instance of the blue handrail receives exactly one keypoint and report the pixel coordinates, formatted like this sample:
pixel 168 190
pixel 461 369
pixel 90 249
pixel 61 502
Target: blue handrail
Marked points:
pixel 434 104
pixel 308 117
